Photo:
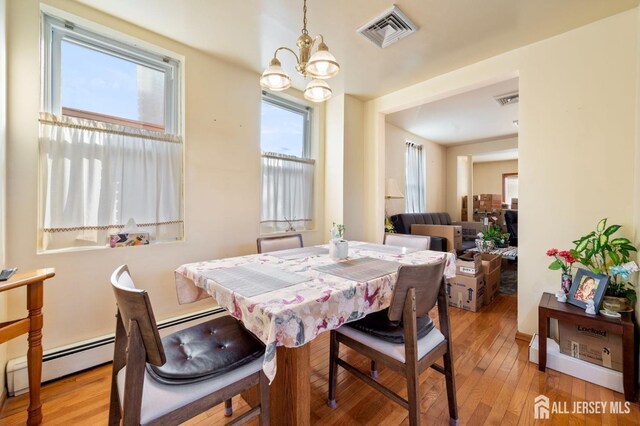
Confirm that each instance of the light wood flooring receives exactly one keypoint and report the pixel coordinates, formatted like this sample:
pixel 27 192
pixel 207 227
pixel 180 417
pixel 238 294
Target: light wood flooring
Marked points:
pixel 495 385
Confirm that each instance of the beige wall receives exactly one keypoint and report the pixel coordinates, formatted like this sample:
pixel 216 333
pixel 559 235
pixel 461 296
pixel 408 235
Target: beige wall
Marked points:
pixel 222 182
pixel 395 161
pixel 453 197
pixel 487 176
pixel 344 149
pixel 3 147
pixel 578 111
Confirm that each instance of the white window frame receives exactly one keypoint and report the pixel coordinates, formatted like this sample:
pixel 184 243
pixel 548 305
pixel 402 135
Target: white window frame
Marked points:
pixel 55 30
pixel 295 107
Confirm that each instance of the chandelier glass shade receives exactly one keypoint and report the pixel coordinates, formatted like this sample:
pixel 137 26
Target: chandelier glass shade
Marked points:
pixel 318 66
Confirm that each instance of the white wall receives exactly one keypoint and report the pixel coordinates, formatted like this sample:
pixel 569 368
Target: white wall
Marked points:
pixel 577 140
pixel 344 150
pixel 395 161
pixel 487 176
pixel 453 198
pixel 3 124
pixel 222 183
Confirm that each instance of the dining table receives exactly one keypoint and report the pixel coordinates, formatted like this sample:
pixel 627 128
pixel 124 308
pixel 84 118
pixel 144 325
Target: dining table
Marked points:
pixel 287 298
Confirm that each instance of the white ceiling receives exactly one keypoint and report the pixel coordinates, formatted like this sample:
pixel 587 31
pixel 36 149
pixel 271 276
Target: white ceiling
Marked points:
pixel 466 117
pixel 451 33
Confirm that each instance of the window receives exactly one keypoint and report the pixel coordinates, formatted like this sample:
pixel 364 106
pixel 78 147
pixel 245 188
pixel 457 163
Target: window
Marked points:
pixel 414 171
pixel 287 170
pixel 110 139
pixel 509 187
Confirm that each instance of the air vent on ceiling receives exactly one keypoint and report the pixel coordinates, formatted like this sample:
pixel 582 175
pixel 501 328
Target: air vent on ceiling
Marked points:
pixel 388 28
pixel 508 99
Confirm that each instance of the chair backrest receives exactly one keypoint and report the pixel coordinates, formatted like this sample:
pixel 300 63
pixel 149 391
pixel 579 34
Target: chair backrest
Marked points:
pixel 134 305
pixel 425 279
pixel 511 221
pixel 283 242
pixel 420 242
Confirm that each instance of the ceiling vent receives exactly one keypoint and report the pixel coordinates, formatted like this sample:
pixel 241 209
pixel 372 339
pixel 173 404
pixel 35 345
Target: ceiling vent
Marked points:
pixel 508 99
pixel 388 28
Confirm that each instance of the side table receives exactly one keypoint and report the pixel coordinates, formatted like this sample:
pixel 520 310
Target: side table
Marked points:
pixel 549 308
pixel 32 324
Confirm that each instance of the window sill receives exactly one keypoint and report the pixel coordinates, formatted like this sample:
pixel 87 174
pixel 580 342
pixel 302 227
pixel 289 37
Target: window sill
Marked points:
pixel 105 247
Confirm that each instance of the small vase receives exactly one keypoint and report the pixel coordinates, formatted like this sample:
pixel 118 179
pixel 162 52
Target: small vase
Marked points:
pixel 338 249
pixel 566 283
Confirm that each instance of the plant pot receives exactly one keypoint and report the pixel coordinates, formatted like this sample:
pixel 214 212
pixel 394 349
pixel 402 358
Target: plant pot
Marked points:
pixel 616 304
pixel 485 246
pixel 338 249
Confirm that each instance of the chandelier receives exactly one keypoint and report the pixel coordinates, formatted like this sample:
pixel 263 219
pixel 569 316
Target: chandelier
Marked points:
pixel 319 66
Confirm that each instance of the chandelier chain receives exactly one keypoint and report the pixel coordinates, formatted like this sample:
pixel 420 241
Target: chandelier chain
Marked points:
pixel 304 18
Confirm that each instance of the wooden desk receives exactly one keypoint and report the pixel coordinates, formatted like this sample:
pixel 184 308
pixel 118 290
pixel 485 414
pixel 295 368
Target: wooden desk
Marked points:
pixel 32 324
pixel 550 308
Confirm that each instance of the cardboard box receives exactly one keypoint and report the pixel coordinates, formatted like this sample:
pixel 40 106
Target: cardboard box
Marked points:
pixel 453 234
pixel 591 344
pixel 492 285
pixel 476 204
pixel 466 292
pixel 129 239
pixel 469 264
pixel 490 262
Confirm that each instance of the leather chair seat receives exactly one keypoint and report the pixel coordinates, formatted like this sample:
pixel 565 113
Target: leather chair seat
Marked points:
pixel 206 350
pixel 379 326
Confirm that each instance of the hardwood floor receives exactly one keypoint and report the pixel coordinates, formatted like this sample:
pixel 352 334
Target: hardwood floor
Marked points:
pixel 495 385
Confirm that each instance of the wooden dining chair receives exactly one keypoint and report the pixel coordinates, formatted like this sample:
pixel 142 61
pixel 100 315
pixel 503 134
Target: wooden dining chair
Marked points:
pixel 281 242
pixel 419 242
pixel 168 381
pixel 407 343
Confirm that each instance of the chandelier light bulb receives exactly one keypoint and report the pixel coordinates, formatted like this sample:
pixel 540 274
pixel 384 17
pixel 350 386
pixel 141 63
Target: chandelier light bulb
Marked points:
pixel 322 64
pixel 317 91
pixel 274 77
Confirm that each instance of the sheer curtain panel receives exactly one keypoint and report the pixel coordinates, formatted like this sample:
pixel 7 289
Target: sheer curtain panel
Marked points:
pixel 287 193
pixel 414 179
pixel 96 176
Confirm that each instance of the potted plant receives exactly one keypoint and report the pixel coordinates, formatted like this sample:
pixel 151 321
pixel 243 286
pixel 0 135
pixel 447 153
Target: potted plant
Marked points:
pixel 491 237
pixel 562 260
pixel 603 253
pixel 338 246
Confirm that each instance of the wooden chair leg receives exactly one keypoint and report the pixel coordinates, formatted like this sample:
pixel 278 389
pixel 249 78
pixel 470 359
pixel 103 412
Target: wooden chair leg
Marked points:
pixel 228 408
pixel 374 369
pixel 264 399
pixel 451 389
pixel 334 350
pixel 413 396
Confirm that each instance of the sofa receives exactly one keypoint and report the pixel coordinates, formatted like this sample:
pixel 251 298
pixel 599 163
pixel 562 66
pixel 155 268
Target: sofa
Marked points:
pixel 402 223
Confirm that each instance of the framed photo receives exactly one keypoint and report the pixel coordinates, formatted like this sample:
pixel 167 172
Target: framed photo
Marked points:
pixel 587 286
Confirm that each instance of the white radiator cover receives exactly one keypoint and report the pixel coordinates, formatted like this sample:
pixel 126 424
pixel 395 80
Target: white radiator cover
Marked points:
pixel 65 360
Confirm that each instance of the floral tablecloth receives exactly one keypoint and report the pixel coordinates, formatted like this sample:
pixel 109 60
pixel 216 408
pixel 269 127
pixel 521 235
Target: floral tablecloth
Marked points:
pixel 295 315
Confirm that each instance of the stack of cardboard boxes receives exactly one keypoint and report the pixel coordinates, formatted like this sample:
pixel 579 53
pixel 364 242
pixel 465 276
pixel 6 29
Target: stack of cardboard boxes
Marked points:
pixel 469 206
pixel 476 282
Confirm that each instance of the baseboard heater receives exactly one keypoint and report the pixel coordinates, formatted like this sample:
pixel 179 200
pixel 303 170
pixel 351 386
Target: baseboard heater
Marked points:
pixel 60 362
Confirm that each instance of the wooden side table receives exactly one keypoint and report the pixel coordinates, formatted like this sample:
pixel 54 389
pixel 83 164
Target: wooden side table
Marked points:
pixel 549 308
pixel 32 324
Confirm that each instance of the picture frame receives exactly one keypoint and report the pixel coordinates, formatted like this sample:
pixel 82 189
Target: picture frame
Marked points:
pixel 586 286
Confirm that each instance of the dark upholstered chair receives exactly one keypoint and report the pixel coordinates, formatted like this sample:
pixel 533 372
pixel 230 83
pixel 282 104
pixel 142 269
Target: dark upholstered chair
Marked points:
pixel 284 242
pixel 511 220
pixel 168 381
pixel 405 341
pixel 402 224
pixel 419 242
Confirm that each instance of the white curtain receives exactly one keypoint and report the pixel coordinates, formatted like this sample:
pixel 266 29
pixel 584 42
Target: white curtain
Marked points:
pixel 414 179
pixel 96 176
pixel 287 193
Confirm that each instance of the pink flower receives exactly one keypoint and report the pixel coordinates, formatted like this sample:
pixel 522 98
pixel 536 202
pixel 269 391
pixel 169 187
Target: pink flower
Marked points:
pixel 552 252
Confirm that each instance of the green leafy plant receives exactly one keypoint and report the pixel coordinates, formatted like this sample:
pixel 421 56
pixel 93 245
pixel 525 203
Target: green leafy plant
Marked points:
pixel 601 252
pixel 494 233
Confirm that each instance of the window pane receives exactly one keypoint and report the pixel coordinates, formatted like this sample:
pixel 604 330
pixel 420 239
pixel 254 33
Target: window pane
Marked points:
pixel 96 82
pixel 282 130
